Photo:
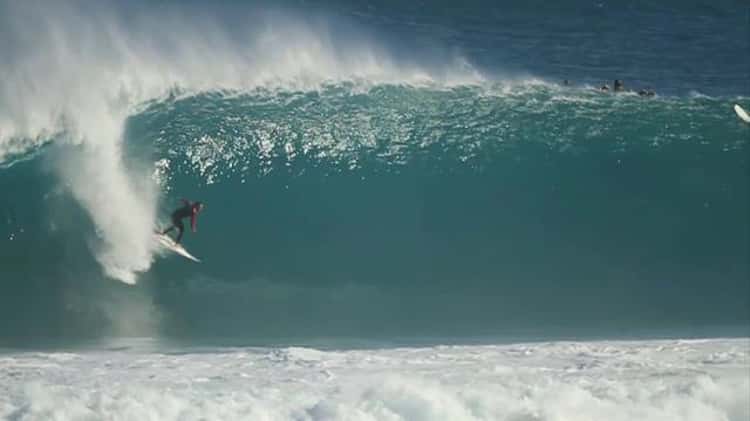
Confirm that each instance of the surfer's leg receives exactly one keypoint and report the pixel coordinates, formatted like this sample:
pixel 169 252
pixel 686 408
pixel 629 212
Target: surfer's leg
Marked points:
pixel 181 229
pixel 176 223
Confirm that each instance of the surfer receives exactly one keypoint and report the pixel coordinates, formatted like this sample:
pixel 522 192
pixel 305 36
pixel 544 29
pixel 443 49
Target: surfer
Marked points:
pixel 619 86
pixel 188 210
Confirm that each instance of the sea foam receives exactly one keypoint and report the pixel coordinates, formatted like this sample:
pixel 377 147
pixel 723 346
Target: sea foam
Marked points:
pixel 635 380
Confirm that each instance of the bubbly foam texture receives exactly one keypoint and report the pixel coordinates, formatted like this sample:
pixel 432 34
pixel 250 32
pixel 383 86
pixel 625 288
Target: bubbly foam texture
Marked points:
pixel 74 71
pixel 640 380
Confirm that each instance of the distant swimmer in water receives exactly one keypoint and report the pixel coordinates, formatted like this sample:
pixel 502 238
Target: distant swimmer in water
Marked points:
pixel 620 87
pixel 190 210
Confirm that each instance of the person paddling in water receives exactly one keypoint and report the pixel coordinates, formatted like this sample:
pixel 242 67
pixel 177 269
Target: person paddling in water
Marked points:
pixel 190 210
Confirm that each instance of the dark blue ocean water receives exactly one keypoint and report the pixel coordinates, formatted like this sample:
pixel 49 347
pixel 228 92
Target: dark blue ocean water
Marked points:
pixel 443 182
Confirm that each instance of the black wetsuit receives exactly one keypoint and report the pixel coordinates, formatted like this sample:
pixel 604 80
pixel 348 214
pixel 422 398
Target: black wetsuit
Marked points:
pixel 177 217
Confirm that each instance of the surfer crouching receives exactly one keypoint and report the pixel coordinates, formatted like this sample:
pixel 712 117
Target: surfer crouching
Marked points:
pixel 188 210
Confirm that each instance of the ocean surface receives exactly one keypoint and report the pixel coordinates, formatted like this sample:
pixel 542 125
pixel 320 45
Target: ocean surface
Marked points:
pixel 415 210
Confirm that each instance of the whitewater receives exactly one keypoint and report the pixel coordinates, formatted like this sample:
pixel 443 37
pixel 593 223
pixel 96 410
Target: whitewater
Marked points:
pixel 663 380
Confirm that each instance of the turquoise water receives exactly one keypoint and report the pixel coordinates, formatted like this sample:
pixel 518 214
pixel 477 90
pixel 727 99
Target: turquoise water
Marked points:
pixel 402 199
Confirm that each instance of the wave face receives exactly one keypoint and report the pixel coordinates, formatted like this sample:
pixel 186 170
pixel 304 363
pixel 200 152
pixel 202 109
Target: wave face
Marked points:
pixel 415 209
pixel 353 189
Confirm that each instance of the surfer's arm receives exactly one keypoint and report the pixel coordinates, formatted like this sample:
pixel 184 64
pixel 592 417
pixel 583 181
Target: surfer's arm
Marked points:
pixel 185 201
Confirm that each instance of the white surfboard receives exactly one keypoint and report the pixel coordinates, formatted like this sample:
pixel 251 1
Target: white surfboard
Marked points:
pixel 169 243
pixel 742 114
